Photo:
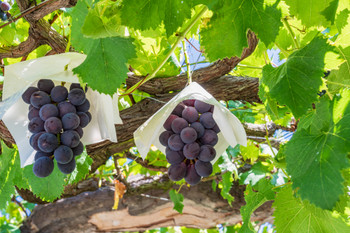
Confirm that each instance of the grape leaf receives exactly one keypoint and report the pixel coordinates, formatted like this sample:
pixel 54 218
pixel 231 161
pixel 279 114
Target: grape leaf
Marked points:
pixel 296 82
pixel 340 78
pixel 226 185
pixel 83 163
pixel 225 35
pixel 342 19
pixel 293 215
pixel 104 68
pixel 316 156
pixel 177 199
pixel 257 172
pixel 49 188
pixel 254 200
pixel 311 13
pixel 147 14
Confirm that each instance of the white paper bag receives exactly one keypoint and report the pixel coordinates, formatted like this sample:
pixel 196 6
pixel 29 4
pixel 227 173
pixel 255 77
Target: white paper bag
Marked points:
pixel 231 129
pixel 14 111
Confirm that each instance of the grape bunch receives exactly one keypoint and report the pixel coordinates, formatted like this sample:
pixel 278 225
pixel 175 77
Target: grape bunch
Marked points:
pixel 57 118
pixel 189 137
pixel 4 6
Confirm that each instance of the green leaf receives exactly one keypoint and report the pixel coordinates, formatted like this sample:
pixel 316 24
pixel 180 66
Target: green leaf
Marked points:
pixel 251 151
pixel 257 172
pixel 316 156
pixel 226 185
pixel 147 14
pixel 105 67
pixel 293 215
pixel 177 199
pixel 342 19
pixel 254 200
pixel 339 79
pixel 83 163
pixel 49 188
pixel 311 13
pixel 226 33
pixel 296 82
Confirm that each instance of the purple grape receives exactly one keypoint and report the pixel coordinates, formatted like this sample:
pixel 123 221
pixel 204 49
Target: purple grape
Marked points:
pixel 203 169
pixel 177 171
pixel 190 114
pixel 191 150
pixel 89 115
pixel 192 176
pixel 36 125
pixel 189 102
pixel 216 128
pixel 207 120
pixel 53 125
pixel 70 138
pixel 174 157
pixel 47 111
pixel 63 154
pixel 47 142
pixel 70 121
pixel 33 141
pixel 207 153
pixel 4 6
pixel 33 112
pixel 28 93
pixel 199 128
pixel 76 96
pixel 40 154
pixel 164 136
pixel 66 107
pixel 178 109
pixel 84 107
pixel 178 124
pixel 78 149
pixel 59 94
pixel 45 85
pixel 209 138
pixel 188 135
pixel 169 120
pixel 175 143
pixel 201 106
pixel 68 167
pixel 77 85
pixel 43 167
pixel 84 119
pixel 80 131
pixel 39 99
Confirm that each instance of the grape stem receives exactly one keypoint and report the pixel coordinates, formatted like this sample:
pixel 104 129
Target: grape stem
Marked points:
pixel 296 43
pixel 181 36
pixel 189 76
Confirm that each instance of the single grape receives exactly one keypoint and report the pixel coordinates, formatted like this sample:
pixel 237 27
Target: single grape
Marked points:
pixel 203 169
pixel 3 16
pixel 33 141
pixel 70 121
pixel 216 128
pixel 178 109
pixel 36 125
pixel 178 124
pixel 199 128
pixel 192 176
pixel 4 6
pixel 169 120
pixel 70 138
pixel 188 135
pixel 66 107
pixel 39 99
pixel 175 143
pixel 53 125
pixel 209 138
pixel 89 115
pixel 177 171
pixel 174 157
pixel 76 96
pixel 164 136
pixel 191 150
pixel 47 142
pixel 59 94
pixel 201 106
pixel 33 112
pixel 40 154
pixel 190 114
pixel 84 119
pixel 68 167
pixel 63 154
pixel 77 85
pixel 80 131
pixel 207 153
pixel 189 102
pixel 43 167
pixel 207 120
pixel 28 93
pixel 78 149
pixel 84 107
pixel 47 111
pixel 45 85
